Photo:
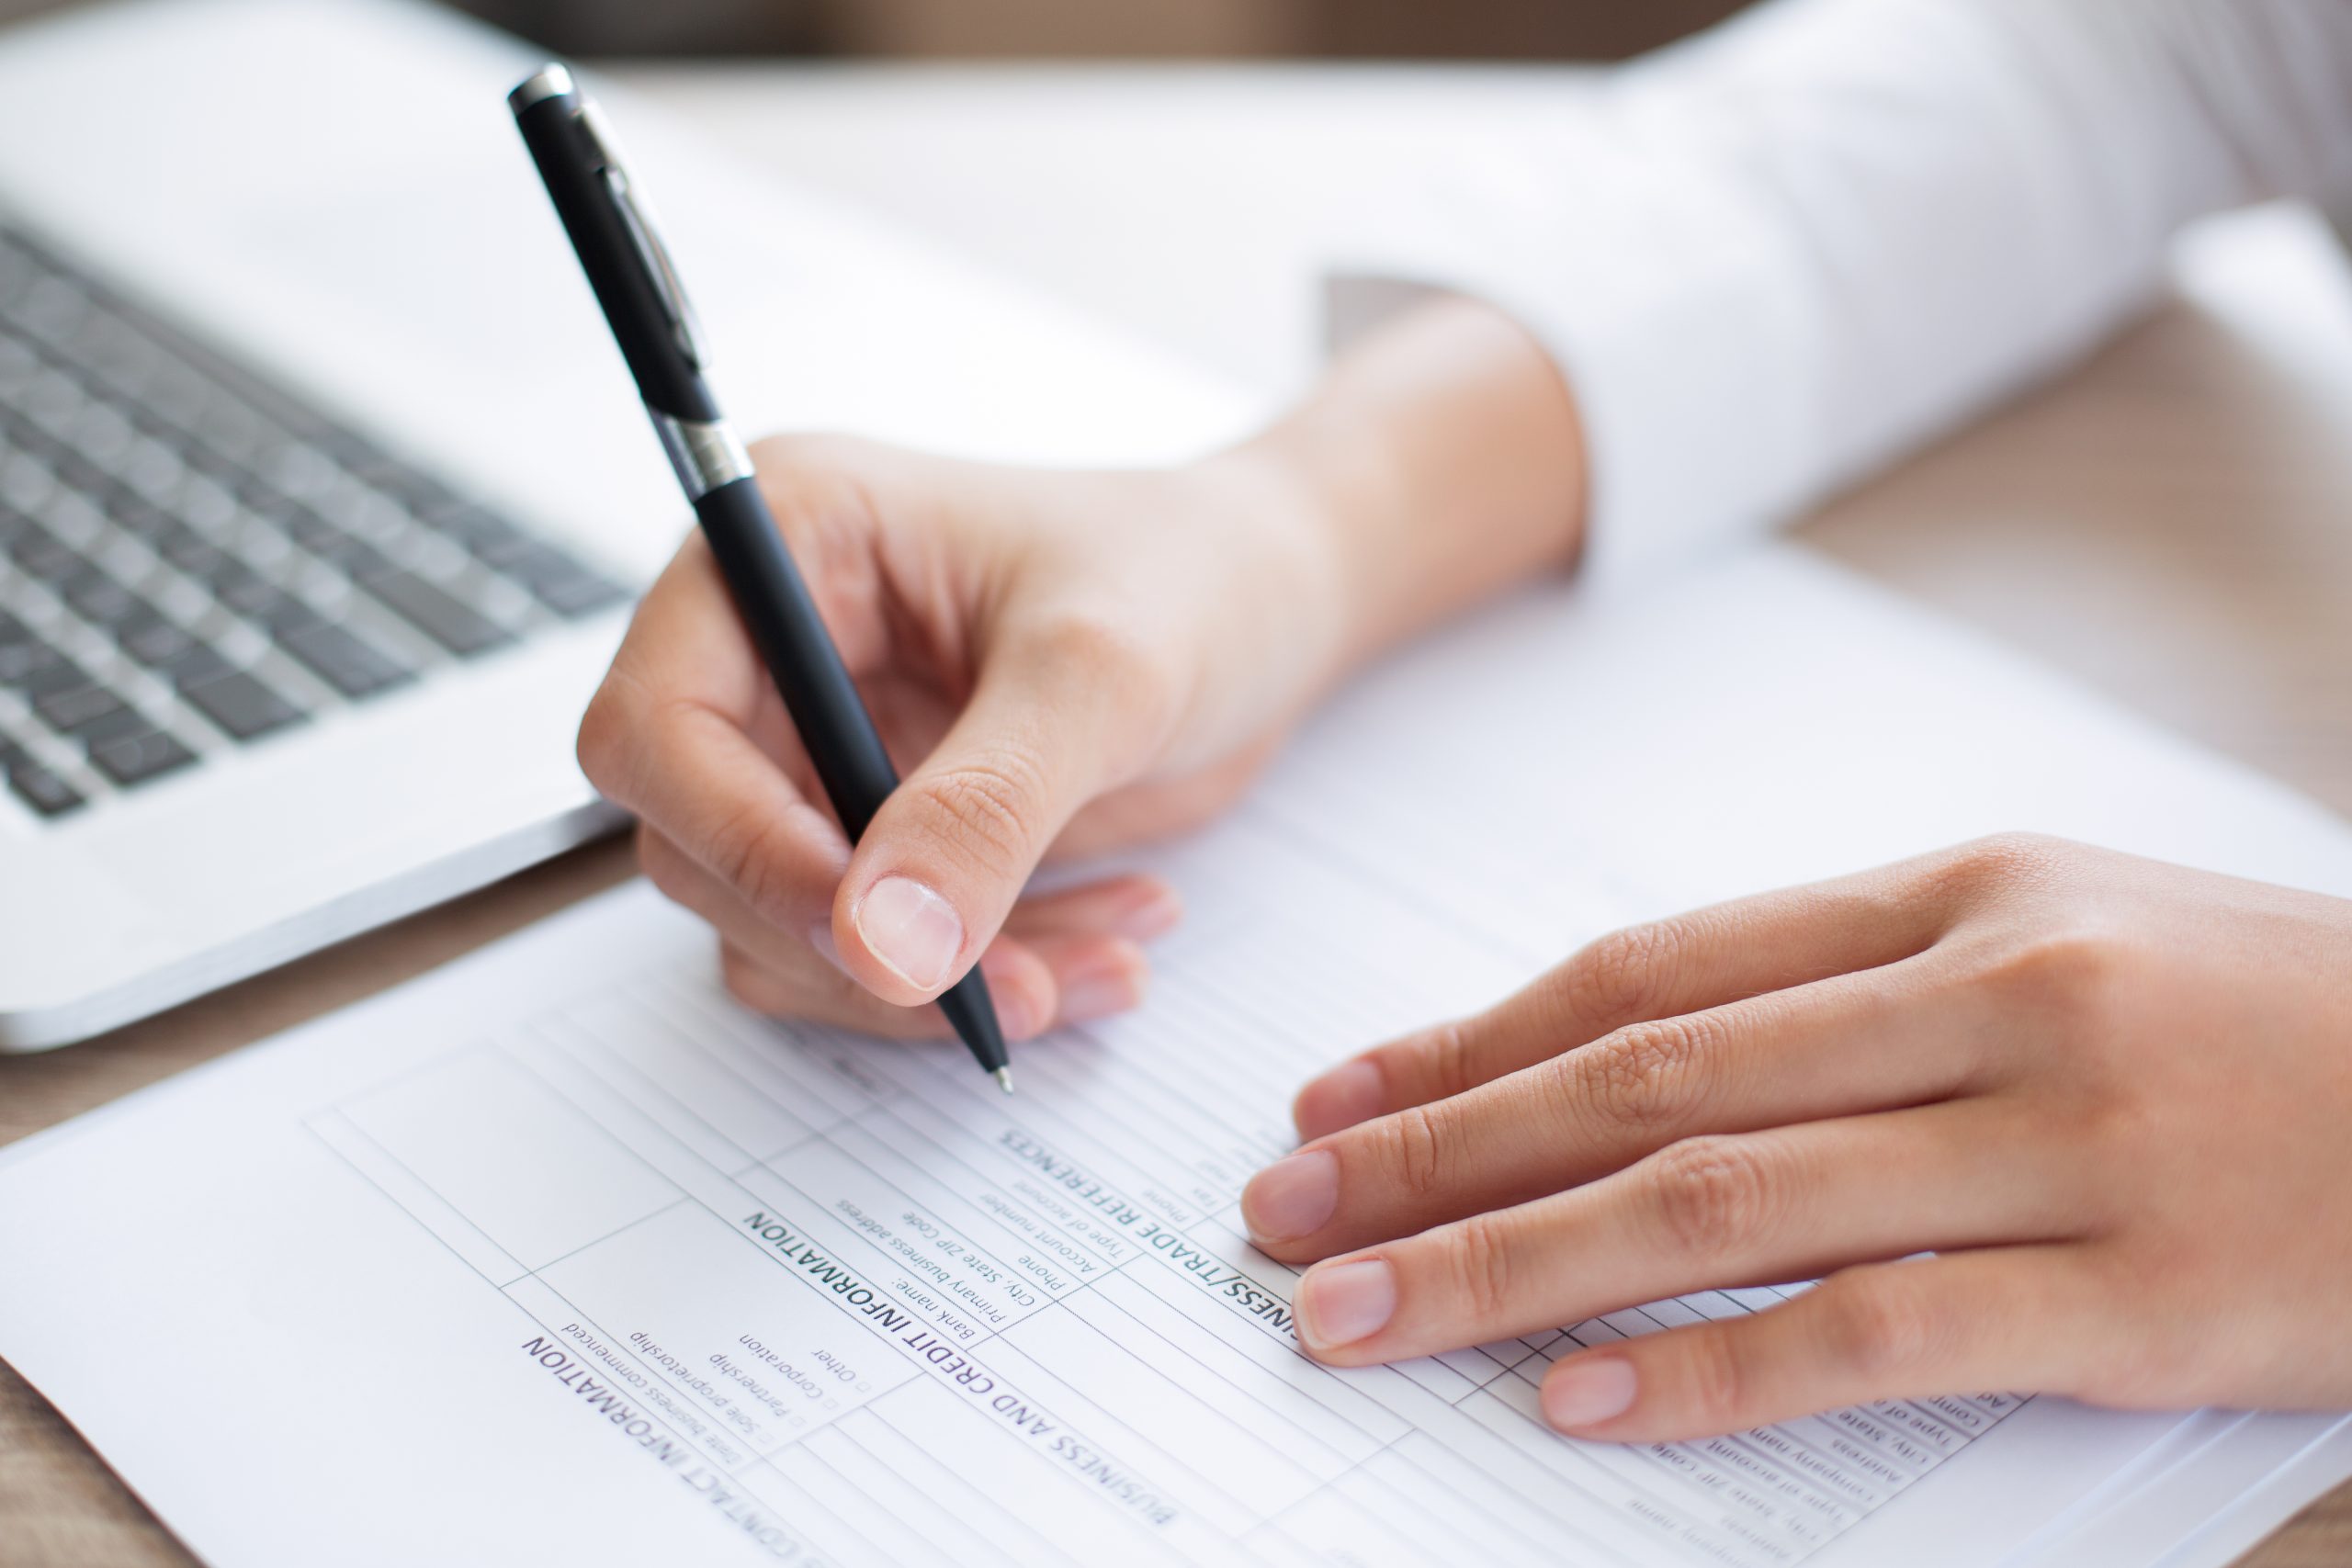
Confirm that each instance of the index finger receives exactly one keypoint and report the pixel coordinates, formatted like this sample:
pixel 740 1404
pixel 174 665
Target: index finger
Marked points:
pixel 1659 969
pixel 670 737
pixel 1847 1046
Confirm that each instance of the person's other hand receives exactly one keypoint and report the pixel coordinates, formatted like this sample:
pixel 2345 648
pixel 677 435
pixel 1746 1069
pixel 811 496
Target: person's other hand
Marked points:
pixel 2111 1096
pixel 1057 661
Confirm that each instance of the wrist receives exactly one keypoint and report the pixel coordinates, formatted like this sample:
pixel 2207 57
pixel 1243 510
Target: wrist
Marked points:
pixel 1306 526
pixel 1437 463
pixel 1351 506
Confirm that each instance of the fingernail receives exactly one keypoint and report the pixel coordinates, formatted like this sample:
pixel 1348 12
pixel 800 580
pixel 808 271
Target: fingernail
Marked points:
pixel 1584 1393
pixel 821 939
pixel 1089 996
pixel 915 932
pixel 1154 915
pixel 1343 1303
pixel 1350 1092
pixel 1293 1197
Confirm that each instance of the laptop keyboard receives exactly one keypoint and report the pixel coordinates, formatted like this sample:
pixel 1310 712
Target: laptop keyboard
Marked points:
pixel 192 560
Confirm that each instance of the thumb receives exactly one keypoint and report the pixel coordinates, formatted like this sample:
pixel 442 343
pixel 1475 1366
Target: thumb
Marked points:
pixel 1058 717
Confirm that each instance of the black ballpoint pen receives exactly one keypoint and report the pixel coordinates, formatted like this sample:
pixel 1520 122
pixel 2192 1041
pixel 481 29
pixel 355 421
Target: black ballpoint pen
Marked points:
pixel 634 282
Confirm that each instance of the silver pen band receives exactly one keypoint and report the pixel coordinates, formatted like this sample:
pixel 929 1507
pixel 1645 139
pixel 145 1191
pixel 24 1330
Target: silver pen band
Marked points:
pixel 707 452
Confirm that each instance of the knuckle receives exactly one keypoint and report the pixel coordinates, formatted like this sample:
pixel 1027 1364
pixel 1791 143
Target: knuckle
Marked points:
pixel 1418 1151
pixel 987 809
pixel 2001 863
pixel 1480 1266
pixel 1712 1195
pixel 2119 1122
pixel 747 854
pixel 2018 848
pixel 1879 1325
pixel 1623 973
pixel 1443 1054
pixel 2068 970
pixel 1714 1377
pixel 1096 642
pixel 1643 1078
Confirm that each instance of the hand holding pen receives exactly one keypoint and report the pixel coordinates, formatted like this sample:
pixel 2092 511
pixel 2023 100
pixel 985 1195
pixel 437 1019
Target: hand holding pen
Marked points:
pixel 1072 661
pixel 637 286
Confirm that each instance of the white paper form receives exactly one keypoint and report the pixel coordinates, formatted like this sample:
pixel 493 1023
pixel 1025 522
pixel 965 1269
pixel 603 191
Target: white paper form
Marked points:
pixel 558 1252
pixel 2232 1480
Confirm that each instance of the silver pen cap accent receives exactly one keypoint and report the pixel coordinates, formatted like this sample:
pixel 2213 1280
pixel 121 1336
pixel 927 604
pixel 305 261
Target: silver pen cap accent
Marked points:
pixel 705 453
pixel 547 82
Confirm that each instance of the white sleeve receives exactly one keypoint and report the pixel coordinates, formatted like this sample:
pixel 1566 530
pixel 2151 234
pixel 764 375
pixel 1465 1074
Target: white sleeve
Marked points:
pixel 1778 255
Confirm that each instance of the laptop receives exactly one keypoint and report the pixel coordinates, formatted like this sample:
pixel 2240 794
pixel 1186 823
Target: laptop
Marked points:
pixel 324 495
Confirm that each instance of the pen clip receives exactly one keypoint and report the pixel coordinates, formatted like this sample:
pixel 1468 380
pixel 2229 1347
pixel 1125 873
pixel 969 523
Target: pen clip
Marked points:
pixel 661 272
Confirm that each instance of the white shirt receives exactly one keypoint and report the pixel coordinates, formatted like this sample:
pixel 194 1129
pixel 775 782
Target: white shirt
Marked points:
pixel 1802 244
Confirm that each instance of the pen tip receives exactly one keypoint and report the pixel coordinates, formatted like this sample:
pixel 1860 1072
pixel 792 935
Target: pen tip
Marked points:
pixel 1005 1079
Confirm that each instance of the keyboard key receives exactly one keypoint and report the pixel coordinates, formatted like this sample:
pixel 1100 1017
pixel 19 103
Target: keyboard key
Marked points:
pixel 34 441
pixel 561 584
pixel 239 586
pixel 361 561
pixel 113 725
pixel 100 600
pixel 42 555
pixel 262 496
pixel 152 639
pixel 455 625
pixel 581 594
pixel 51 675
pixel 192 665
pixel 352 451
pixel 283 613
pixel 19 365
pixel 421 493
pixel 320 537
pixel 133 513
pixel 234 432
pixel 490 539
pixel 324 540
pixel 344 661
pixel 299 470
pixel 76 707
pixel 24 656
pixel 136 758
pixel 190 550
pixel 240 703
pixel 43 791
pixel 76 472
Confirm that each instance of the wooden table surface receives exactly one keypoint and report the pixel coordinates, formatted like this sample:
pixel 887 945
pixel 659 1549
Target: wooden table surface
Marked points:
pixel 2171 523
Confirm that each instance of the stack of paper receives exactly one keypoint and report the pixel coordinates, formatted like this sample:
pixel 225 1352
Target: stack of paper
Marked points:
pixel 559 1254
